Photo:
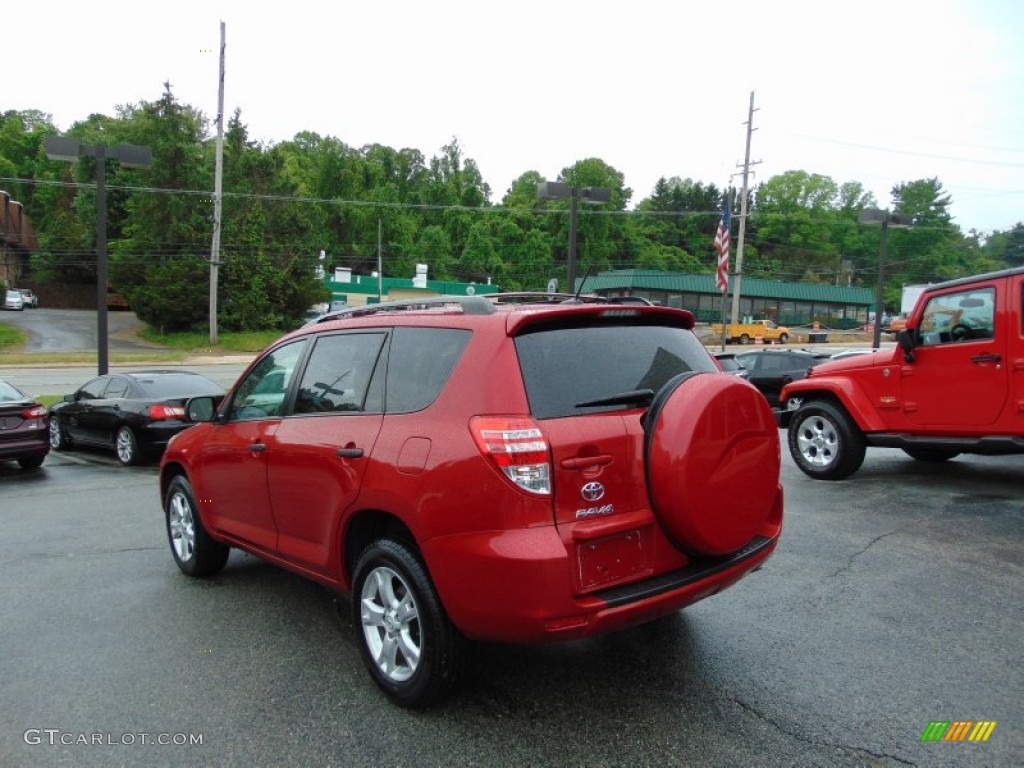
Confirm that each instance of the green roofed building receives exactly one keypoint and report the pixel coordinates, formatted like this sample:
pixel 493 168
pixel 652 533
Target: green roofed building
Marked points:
pixel 359 290
pixel 833 306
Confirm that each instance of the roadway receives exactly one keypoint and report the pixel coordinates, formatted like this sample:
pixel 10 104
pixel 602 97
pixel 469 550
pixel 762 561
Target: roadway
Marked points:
pixel 892 601
pixel 74 330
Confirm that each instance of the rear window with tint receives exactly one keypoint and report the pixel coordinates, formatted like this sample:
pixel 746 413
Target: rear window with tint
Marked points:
pixel 9 394
pixel 178 385
pixel 565 366
pixel 419 364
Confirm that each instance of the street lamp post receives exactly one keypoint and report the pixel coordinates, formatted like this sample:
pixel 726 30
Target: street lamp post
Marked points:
pixel 130 156
pixel 887 220
pixel 555 190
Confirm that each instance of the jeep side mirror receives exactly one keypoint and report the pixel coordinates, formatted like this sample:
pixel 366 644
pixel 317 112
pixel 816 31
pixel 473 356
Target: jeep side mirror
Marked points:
pixel 905 341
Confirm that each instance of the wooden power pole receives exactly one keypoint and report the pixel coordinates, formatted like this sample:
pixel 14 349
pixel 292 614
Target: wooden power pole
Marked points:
pixel 218 184
pixel 735 315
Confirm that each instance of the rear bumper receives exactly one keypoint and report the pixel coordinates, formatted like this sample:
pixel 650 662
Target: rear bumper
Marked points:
pixel 23 448
pixel 516 586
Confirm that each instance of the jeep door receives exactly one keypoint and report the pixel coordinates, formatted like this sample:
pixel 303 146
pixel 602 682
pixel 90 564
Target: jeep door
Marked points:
pixel 960 374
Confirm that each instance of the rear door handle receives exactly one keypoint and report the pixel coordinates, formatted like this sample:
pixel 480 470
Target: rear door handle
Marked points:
pixel 993 358
pixel 257 447
pixel 350 453
pixel 586 462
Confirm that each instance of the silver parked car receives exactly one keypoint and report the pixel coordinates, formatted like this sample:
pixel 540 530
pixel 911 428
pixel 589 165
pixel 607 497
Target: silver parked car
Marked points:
pixel 13 300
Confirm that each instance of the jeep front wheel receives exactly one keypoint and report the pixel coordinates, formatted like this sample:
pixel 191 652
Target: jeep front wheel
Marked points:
pixel 825 442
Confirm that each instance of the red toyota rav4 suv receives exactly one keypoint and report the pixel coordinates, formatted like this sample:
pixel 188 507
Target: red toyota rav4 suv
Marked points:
pixel 483 469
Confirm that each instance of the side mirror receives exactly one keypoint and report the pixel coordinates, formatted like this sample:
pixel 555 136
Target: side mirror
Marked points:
pixel 201 408
pixel 905 341
pixel 70 398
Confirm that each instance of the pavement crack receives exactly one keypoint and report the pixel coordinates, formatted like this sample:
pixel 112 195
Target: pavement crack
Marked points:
pixel 817 742
pixel 858 553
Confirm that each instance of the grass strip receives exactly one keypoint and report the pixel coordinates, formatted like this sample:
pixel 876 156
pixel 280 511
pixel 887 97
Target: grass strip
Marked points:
pixel 229 342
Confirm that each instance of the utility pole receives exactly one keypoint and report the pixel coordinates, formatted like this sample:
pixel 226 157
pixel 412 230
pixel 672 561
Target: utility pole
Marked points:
pixel 102 356
pixel 380 262
pixel 218 184
pixel 734 317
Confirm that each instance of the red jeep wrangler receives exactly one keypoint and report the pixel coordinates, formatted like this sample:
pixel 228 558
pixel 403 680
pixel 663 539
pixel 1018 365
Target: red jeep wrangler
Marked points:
pixel 954 384
pixel 483 469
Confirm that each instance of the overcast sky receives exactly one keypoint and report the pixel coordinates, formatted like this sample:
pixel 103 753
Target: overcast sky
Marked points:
pixel 873 91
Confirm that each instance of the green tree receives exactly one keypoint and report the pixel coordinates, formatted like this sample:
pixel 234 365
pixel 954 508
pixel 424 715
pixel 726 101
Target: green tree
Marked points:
pixel 794 215
pixel 1007 247
pixel 436 249
pixel 601 236
pixel 162 237
pixel 676 226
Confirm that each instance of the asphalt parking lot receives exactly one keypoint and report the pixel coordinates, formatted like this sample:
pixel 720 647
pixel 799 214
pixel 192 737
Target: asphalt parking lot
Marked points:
pixel 892 601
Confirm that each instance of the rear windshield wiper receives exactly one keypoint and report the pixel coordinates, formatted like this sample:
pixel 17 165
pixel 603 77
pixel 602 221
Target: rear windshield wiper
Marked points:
pixel 633 397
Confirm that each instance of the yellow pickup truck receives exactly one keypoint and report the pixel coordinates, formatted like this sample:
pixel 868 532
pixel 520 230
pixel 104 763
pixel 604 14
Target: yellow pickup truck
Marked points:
pixel 744 333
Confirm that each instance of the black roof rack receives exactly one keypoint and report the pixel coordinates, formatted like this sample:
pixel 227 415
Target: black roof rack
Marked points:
pixel 471 305
pixel 539 297
pixel 476 305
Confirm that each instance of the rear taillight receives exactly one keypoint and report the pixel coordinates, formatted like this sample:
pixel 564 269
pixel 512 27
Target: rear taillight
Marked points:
pixel 160 412
pixel 519 449
pixel 35 412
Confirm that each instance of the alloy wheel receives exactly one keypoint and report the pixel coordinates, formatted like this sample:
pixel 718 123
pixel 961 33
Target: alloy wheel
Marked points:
pixel 391 624
pixel 125 445
pixel 182 527
pixel 817 440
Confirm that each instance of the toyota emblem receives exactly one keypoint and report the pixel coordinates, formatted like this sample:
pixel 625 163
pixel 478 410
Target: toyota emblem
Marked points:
pixel 592 491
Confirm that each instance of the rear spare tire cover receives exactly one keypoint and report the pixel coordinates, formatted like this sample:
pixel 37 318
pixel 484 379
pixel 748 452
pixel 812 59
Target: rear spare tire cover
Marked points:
pixel 712 459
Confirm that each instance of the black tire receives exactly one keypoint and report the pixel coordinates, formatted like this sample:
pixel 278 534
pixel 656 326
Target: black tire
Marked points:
pixel 126 446
pixel 744 339
pixel 825 442
pixel 193 549
pixel 935 455
pixel 783 338
pixel 31 462
pixel 59 440
pixel 410 647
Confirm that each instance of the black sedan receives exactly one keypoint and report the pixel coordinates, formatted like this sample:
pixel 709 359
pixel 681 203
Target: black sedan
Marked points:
pixel 135 414
pixel 23 434
pixel 771 369
pixel 729 364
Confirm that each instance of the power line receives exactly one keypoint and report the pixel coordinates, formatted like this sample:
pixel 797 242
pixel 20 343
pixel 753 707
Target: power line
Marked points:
pixel 913 153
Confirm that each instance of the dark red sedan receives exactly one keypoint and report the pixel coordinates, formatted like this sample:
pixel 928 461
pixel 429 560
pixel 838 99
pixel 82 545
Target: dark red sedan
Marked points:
pixel 23 431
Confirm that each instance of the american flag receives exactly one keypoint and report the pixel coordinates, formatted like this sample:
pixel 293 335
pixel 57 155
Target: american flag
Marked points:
pixel 722 246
